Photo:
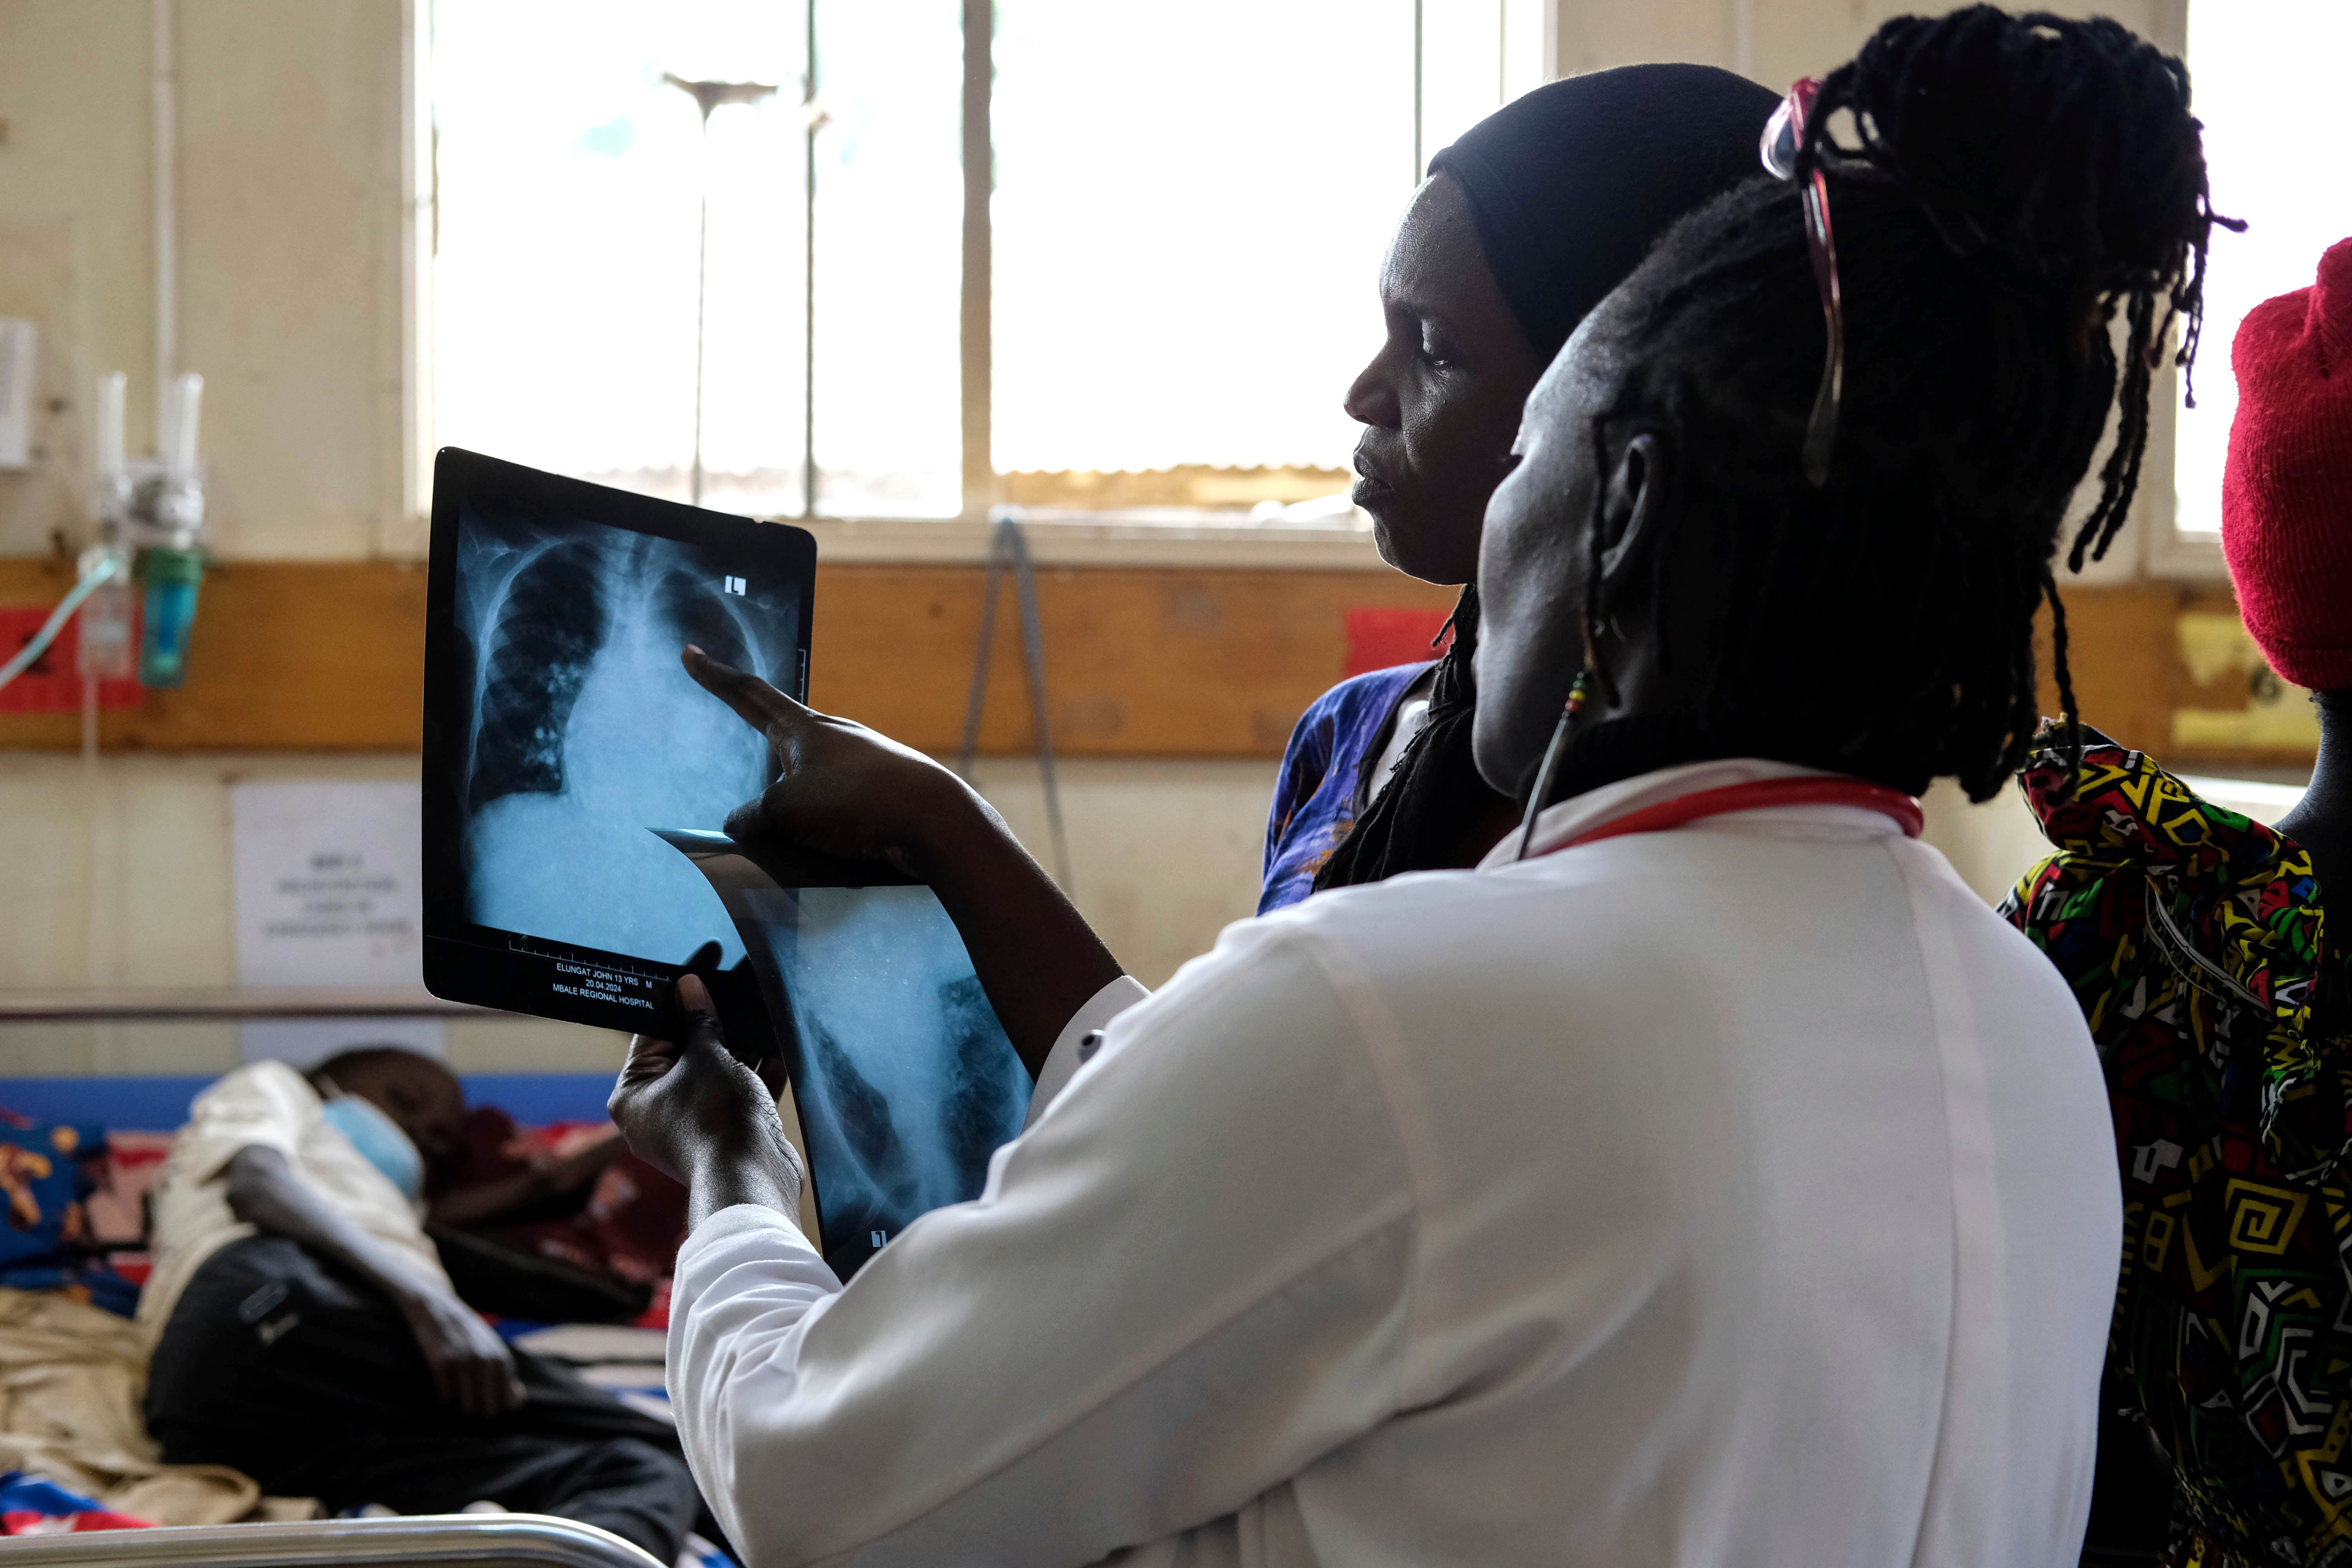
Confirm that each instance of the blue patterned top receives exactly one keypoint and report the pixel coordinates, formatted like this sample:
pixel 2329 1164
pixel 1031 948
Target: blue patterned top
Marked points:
pixel 1315 798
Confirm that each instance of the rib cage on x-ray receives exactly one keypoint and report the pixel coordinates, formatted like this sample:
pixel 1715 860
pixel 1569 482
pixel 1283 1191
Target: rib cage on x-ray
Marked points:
pixel 978 1104
pixel 542 634
pixel 907 1082
pixel 586 732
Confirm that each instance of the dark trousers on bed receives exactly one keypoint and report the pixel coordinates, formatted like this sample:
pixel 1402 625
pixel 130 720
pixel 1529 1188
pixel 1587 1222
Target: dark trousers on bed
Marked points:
pixel 287 1367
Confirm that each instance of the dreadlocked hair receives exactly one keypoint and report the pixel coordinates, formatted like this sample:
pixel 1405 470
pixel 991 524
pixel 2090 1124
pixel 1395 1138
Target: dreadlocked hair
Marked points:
pixel 2000 187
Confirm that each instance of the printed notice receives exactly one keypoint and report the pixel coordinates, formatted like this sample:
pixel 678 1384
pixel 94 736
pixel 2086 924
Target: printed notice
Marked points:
pixel 329 878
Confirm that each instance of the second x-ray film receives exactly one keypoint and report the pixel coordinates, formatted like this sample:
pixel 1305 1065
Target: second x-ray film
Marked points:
pixel 905 1080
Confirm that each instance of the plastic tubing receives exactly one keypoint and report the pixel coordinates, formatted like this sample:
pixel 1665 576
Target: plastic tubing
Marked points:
pixel 100 571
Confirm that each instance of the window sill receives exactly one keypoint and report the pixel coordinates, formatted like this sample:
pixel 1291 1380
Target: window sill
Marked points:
pixel 2176 555
pixel 1103 539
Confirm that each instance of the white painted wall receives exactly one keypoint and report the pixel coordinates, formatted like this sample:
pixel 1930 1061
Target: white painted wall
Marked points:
pixel 121 876
pixel 75 239
pixel 288 182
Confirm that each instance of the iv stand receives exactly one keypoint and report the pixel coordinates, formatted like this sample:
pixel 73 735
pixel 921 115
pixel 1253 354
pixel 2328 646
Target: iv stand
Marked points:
pixel 1008 550
pixel 708 96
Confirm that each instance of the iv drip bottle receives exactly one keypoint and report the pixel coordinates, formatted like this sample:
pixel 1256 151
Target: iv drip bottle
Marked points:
pixel 173 573
pixel 107 626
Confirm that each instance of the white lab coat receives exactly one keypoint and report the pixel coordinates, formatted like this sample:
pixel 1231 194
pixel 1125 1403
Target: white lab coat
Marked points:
pixel 1738 1195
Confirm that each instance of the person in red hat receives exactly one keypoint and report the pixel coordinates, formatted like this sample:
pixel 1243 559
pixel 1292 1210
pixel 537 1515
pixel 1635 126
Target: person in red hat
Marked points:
pixel 2193 938
pixel 2287 525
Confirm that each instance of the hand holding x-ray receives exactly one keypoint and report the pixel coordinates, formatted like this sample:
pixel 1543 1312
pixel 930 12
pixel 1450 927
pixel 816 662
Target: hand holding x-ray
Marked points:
pixel 692 1109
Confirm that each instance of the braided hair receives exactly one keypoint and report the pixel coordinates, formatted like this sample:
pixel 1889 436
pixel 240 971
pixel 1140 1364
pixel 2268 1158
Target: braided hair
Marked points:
pixel 2001 188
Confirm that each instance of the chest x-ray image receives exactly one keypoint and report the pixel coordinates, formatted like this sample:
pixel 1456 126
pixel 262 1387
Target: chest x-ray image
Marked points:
pixel 905 1080
pixel 586 732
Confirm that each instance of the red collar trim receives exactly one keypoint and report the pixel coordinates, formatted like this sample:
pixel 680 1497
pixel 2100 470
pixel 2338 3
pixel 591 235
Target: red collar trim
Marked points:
pixel 1815 790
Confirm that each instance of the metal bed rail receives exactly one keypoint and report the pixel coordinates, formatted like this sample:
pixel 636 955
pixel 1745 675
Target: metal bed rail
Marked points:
pixel 428 1540
pixel 190 1003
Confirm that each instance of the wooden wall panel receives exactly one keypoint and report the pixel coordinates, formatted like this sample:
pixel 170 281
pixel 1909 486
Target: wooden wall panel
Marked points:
pixel 2123 650
pixel 2119 644
pixel 285 657
pixel 327 657
pixel 1138 662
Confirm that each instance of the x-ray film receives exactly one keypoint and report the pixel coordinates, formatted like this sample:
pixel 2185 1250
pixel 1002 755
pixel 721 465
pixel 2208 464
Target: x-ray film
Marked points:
pixel 561 729
pixel 904 1079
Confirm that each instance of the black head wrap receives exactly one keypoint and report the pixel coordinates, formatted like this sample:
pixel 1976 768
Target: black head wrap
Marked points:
pixel 1568 186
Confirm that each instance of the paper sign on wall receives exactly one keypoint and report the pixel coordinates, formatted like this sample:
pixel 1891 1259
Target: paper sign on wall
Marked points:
pixel 329 894
pixel 329 882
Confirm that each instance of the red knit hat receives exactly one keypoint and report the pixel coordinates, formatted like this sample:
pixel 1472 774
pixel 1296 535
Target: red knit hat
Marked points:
pixel 2287 494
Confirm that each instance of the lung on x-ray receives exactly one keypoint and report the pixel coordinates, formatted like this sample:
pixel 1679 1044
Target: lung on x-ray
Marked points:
pixel 587 731
pixel 905 1081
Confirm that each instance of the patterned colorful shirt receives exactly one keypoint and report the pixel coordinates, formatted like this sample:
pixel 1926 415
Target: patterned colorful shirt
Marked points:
pixel 1315 798
pixel 2193 937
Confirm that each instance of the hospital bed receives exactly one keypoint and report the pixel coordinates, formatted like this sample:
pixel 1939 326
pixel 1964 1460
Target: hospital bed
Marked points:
pixel 442 1541
pixel 624 1360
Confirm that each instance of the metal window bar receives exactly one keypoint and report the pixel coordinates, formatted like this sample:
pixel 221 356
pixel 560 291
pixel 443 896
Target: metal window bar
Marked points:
pixel 432 1541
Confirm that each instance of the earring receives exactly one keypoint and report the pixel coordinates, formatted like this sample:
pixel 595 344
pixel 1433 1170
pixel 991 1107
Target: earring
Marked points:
pixel 1577 694
pixel 1548 771
pixel 1590 681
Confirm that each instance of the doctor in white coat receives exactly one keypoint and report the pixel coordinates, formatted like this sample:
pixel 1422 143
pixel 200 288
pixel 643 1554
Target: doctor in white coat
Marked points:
pixel 1710 1179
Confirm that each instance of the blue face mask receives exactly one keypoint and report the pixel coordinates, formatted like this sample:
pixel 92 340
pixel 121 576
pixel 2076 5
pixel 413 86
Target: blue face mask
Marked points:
pixel 380 1141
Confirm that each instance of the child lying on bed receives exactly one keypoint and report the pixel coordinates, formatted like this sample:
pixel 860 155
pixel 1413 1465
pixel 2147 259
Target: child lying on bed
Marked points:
pixel 557 1224
pixel 306 1333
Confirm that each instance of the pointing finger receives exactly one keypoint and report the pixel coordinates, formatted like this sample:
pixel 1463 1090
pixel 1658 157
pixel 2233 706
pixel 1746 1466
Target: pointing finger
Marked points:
pixel 755 701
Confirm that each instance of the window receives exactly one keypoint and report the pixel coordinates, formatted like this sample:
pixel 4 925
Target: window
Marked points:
pixel 574 177
pixel 2264 78
pixel 1188 217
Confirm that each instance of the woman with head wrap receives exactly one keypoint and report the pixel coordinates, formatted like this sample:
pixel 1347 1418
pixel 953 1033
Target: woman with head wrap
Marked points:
pixel 1525 224
pixel 1522 226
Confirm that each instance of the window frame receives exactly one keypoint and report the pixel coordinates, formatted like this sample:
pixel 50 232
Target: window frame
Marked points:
pixel 408 530
pixel 1528 49
pixel 2171 552
pixel 2168 552
pixel 2154 546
